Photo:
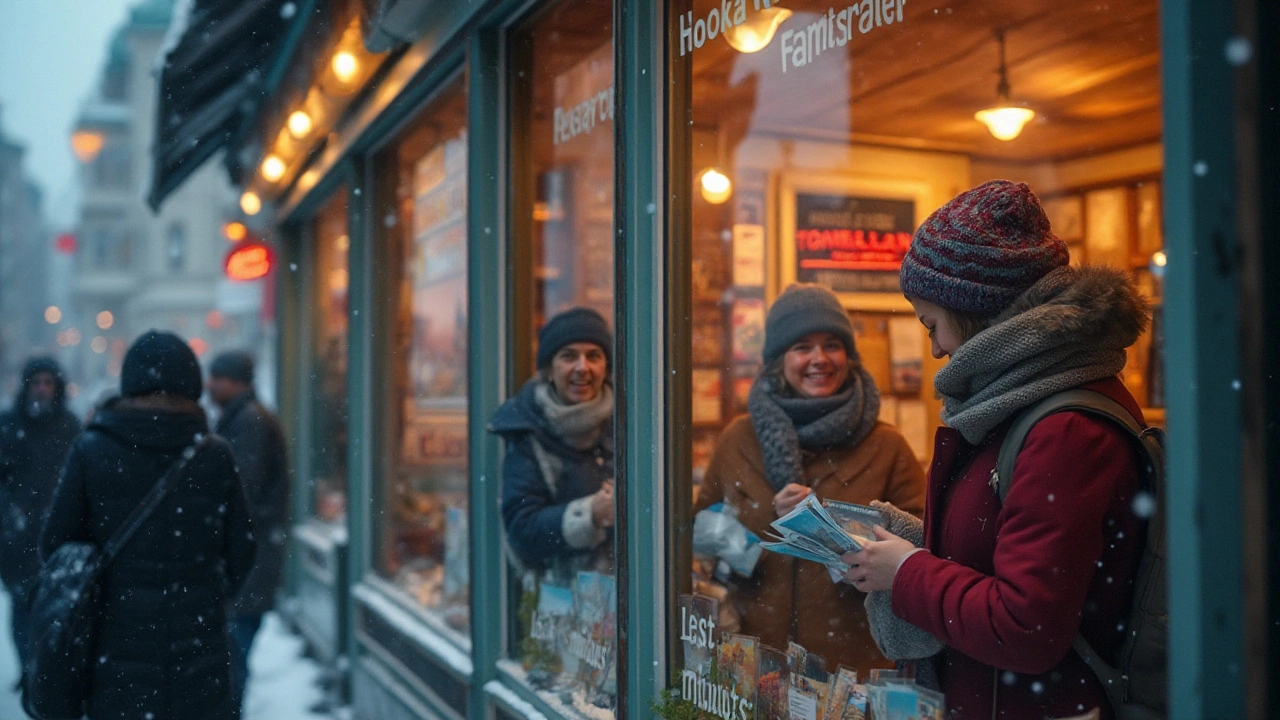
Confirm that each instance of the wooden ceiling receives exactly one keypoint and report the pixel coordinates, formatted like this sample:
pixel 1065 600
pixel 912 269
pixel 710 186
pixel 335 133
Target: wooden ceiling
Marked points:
pixel 1091 71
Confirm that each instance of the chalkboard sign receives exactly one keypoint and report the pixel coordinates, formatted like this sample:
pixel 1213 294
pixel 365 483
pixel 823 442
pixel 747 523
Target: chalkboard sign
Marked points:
pixel 852 244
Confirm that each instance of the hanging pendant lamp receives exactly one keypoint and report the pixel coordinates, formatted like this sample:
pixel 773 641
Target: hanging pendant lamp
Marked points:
pixel 1005 120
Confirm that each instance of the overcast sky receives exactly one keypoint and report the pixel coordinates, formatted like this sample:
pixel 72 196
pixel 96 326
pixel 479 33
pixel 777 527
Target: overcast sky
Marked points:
pixel 51 54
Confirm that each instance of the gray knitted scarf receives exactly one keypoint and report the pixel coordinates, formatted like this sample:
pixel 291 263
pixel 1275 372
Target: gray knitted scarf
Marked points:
pixel 786 425
pixel 578 425
pixel 1070 328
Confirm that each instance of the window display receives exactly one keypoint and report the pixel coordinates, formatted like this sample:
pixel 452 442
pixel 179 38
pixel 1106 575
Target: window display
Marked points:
pixel 817 138
pixel 557 427
pixel 423 517
pixel 329 362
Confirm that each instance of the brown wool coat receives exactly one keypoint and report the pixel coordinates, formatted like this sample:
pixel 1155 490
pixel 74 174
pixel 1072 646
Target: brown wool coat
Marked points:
pixel 788 599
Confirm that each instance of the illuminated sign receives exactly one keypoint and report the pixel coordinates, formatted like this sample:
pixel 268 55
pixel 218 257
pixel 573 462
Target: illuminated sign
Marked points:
pixel 852 243
pixel 249 261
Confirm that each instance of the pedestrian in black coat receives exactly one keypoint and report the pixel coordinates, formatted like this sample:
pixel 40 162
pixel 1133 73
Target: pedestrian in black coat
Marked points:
pixel 163 652
pixel 261 456
pixel 34 437
pixel 557 475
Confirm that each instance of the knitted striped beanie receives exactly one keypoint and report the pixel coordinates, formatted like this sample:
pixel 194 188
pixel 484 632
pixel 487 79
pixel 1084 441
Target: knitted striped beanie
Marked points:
pixel 979 252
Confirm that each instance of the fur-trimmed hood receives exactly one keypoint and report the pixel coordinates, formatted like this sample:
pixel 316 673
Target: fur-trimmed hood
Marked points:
pixel 1093 304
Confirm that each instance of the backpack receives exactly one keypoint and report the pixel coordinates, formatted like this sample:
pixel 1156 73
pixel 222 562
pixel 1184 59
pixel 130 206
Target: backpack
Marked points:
pixel 1137 686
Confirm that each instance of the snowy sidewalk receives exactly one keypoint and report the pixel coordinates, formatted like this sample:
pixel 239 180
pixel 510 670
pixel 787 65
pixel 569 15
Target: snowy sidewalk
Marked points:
pixel 282 683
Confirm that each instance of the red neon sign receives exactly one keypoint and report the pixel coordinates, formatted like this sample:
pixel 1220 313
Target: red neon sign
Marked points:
pixel 249 261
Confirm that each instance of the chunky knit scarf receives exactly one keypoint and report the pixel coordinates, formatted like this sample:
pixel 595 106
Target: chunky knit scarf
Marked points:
pixel 578 425
pixel 786 425
pixel 1070 328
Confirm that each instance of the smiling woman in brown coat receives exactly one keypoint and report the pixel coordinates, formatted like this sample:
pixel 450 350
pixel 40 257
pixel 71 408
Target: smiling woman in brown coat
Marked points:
pixel 812 428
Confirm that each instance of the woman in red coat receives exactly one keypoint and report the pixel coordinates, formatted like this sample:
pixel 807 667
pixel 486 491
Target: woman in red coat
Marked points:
pixel 1004 588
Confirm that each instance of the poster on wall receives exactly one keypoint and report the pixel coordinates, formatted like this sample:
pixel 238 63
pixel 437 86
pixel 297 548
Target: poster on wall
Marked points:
pixel 851 243
pixel 906 354
pixel 436 269
pixel 748 329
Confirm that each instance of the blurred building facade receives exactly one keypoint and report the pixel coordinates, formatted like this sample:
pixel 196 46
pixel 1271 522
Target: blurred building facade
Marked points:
pixel 135 270
pixel 24 265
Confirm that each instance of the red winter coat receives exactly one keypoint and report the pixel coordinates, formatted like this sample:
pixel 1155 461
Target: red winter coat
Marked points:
pixel 1008 588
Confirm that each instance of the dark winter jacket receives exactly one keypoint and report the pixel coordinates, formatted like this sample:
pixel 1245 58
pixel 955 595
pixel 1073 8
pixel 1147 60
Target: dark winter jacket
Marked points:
pixel 546 485
pixel 261 457
pixel 162 644
pixel 32 452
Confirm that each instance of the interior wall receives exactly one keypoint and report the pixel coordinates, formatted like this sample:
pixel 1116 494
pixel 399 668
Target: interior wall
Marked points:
pixel 1047 178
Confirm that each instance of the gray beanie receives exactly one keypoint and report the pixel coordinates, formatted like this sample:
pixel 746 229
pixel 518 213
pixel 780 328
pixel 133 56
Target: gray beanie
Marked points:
pixel 233 365
pixel 802 309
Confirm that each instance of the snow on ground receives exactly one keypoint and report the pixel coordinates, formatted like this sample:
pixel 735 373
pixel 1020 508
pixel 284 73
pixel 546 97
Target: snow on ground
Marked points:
pixel 282 683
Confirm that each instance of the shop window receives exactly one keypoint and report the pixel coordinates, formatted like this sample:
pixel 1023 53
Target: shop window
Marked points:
pixel 819 137
pixel 557 481
pixel 328 446
pixel 421 505
pixel 175 247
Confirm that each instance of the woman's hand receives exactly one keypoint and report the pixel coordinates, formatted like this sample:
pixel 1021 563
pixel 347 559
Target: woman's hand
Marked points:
pixel 602 506
pixel 874 566
pixel 788 497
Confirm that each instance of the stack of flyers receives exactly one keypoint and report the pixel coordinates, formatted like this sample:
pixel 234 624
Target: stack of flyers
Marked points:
pixel 807 696
pixel 822 531
pixel 847 700
pixel 893 698
pixel 773 680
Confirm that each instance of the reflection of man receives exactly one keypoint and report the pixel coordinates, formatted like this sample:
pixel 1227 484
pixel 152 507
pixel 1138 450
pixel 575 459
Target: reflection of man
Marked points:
pixel 557 494
pixel 259 448
pixel 35 435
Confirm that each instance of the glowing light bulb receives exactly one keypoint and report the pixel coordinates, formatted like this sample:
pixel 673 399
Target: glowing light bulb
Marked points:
pixel 756 34
pixel 1005 123
pixel 250 203
pixel 716 186
pixel 299 124
pixel 272 168
pixel 345 66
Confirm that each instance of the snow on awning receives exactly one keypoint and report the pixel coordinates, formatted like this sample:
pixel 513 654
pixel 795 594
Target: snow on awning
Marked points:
pixel 213 72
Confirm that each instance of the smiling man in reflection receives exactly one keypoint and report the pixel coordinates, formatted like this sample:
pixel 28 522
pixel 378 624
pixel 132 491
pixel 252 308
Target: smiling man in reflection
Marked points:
pixel 557 476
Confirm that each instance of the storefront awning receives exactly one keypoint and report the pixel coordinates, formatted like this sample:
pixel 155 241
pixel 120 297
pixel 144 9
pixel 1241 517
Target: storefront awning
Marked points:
pixel 214 69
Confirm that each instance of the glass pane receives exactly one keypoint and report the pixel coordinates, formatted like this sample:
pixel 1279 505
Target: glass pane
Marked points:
pixel 328 444
pixel 422 512
pixel 820 137
pixel 557 501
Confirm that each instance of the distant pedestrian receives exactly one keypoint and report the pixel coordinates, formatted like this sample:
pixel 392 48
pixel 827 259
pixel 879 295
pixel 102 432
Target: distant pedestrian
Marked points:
pixel 261 456
pixel 34 437
pixel 162 643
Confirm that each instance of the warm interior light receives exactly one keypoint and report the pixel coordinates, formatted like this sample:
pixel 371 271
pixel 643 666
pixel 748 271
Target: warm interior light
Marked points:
pixel 272 168
pixel 1005 120
pixel 299 124
pixel 86 144
pixel 52 315
pixel 345 66
pixel 250 203
pixel 715 185
pixel 106 319
pixel 756 34
pixel 99 344
pixel 1005 123
pixel 235 231
pixel 1159 259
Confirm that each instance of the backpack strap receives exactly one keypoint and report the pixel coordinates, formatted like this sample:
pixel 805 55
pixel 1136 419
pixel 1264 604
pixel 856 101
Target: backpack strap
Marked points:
pixel 150 501
pixel 1150 439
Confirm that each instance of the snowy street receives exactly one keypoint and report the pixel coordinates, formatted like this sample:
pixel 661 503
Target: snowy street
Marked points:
pixel 281 682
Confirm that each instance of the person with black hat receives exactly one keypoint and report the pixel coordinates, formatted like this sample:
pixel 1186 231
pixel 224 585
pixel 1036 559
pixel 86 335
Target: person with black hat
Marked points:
pixel 812 427
pixel 262 458
pixel 557 475
pixel 162 644
pixel 34 437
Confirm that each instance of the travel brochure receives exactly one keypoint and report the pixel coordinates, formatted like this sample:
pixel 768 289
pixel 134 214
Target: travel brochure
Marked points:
pixel 822 531
pixel 572 630
pixel 737 677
